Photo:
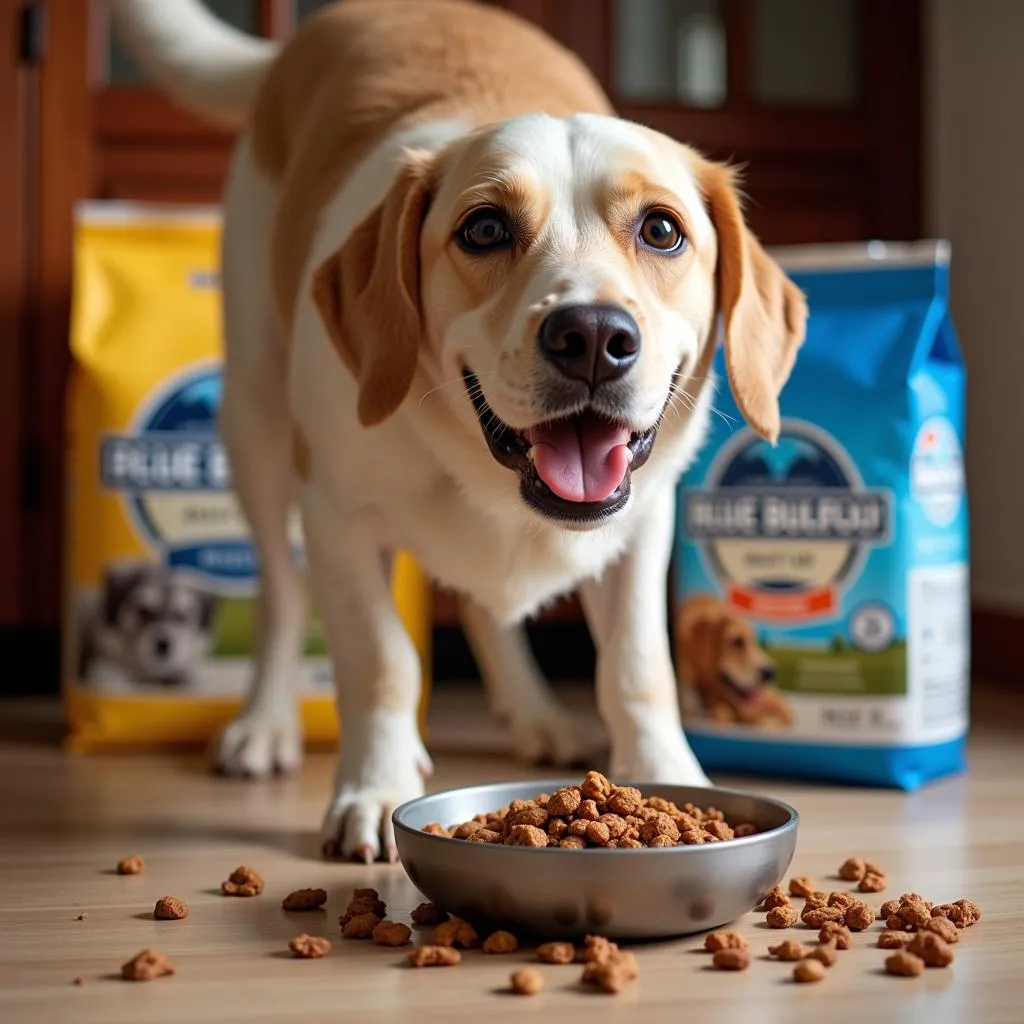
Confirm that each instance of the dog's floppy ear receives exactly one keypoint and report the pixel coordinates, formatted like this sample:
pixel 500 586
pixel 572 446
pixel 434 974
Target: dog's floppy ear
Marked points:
pixel 702 649
pixel 207 608
pixel 368 293
pixel 764 313
pixel 119 579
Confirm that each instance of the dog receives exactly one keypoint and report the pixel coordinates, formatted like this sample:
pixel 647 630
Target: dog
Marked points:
pixel 722 663
pixel 148 627
pixel 469 314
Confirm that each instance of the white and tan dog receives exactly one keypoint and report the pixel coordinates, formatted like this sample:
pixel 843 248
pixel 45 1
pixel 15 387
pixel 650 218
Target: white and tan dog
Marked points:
pixel 468 313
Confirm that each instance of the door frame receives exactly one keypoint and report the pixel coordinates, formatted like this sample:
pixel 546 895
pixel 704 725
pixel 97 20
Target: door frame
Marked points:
pixel 17 102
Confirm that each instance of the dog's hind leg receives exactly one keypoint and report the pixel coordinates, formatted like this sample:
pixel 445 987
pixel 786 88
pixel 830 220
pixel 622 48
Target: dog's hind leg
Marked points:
pixel 541 728
pixel 256 429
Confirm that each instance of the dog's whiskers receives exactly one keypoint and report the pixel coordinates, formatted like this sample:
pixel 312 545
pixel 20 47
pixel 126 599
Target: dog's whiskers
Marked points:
pixel 676 392
pixel 475 390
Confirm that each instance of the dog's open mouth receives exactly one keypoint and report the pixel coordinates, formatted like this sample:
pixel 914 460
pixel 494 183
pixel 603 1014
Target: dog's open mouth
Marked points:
pixel 746 697
pixel 575 468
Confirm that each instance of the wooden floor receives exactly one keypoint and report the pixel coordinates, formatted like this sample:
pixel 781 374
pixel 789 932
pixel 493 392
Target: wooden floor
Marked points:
pixel 65 822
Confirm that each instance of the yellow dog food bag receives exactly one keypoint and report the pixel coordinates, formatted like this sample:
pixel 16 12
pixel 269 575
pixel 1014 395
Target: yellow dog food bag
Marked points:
pixel 161 577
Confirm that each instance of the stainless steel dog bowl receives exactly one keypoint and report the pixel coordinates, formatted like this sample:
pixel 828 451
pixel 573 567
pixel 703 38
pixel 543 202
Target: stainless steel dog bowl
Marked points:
pixel 626 894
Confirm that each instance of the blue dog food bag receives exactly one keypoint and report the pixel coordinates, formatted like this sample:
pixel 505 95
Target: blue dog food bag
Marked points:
pixel 821 584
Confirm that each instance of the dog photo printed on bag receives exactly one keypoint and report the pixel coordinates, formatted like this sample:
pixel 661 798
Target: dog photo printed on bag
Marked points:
pixel 149 626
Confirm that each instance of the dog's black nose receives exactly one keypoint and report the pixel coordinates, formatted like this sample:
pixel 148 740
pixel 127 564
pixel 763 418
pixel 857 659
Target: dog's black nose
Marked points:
pixel 768 674
pixel 162 647
pixel 593 343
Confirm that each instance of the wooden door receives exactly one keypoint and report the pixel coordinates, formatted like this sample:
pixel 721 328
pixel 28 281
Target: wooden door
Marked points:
pixel 18 84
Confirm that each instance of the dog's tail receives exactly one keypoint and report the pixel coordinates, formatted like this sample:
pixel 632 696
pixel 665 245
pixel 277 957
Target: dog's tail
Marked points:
pixel 201 62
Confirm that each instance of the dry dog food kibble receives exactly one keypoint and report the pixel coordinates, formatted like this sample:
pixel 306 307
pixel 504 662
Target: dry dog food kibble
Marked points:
pixel 789 950
pixel 871 882
pixel 852 869
pixel 242 881
pixel 801 885
pixel 942 926
pixel 83 916
pixel 360 927
pixel 597 949
pixel 932 949
pixel 816 916
pixel 909 913
pixel 731 959
pixel 521 835
pixel 556 953
pixel 776 898
pixel 170 908
pixel 724 940
pixel 781 917
pixel 843 900
pixel 904 964
pixel 391 933
pixel 825 952
pixel 808 971
pixel 304 899
pixel 963 913
pixel 596 814
pixel 486 835
pixel 500 942
pixel 434 956
pixel 364 902
pixel 831 931
pixel 429 914
pixel 527 982
pixel 146 966
pixel 309 947
pixel 131 866
pixel 859 916
pixel 455 933
pixel 613 973
pixel 596 787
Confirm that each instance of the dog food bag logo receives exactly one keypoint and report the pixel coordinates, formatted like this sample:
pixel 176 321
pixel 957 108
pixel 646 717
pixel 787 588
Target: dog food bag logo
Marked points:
pixel 785 528
pixel 172 471
pixel 937 471
pixel 820 615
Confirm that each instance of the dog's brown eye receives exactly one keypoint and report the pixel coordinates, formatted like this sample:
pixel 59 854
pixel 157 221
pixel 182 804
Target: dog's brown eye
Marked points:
pixel 737 643
pixel 484 231
pixel 661 231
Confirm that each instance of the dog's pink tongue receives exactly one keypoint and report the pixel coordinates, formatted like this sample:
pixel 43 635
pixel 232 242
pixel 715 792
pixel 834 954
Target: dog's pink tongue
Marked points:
pixel 580 459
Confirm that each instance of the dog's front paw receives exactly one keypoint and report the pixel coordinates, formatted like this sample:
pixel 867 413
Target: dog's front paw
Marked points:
pixel 654 751
pixel 383 764
pixel 552 735
pixel 258 744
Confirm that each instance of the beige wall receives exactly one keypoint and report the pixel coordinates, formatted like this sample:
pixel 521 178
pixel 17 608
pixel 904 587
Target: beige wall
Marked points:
pixel 974 160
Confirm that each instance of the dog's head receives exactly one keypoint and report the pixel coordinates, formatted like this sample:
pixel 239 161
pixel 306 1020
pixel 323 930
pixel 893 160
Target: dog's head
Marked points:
pixel 161 622
pixel 569 274
pixel 727 659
